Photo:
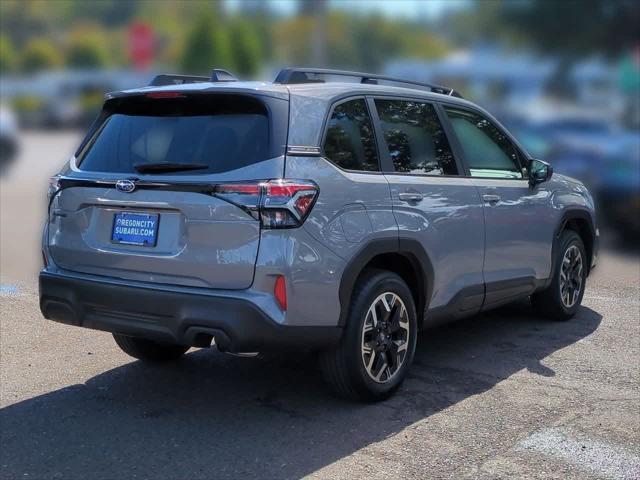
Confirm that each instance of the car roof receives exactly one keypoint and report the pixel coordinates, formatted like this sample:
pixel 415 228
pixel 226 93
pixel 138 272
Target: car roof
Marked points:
pixel 322 91
pixel 308 102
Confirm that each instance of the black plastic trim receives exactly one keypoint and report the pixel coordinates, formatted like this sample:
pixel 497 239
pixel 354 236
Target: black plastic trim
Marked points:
pixel 505 291
pixel 465 303
pixel 196 187
pixel 173 316
pixel 409 248
pixel 567 216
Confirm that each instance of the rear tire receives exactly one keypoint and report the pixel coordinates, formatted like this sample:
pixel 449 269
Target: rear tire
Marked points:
pixel 379 340
pixel 561 300
pixel 148 350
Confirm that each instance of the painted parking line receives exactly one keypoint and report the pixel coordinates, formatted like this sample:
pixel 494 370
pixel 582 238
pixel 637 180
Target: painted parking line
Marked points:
pixel 601 458
pixel 624 300
pixel 9 290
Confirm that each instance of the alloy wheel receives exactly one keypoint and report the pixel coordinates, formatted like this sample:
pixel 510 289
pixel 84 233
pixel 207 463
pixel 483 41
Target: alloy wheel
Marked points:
pixel 385 337
pixel 571 276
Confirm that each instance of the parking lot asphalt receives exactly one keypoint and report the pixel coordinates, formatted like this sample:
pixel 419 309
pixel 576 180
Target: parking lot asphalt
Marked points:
pixel 502 395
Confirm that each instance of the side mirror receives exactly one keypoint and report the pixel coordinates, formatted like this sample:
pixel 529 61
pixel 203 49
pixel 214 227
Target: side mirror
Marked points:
pixel 539 171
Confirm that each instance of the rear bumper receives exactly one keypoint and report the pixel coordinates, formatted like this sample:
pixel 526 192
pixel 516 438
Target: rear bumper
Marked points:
pixel 168 315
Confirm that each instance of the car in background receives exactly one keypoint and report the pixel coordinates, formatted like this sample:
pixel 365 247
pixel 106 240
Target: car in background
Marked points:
pixel 8 137
pixel 618 195
pixel 606 158
pixel 64 99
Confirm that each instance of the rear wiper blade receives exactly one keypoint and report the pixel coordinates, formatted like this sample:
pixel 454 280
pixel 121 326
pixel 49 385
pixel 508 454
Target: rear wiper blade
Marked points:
pixel 168 167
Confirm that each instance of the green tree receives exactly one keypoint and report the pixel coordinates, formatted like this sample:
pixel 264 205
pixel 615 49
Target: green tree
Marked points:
pixel 207 45
pixel 245 47
pixel 572 29
pixel 40 54
pixel 377 40
pixel 575 27
pixel 87 48
pixel 8 59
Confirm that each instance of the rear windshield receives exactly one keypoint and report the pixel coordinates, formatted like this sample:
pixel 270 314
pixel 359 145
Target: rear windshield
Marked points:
pixel 215 133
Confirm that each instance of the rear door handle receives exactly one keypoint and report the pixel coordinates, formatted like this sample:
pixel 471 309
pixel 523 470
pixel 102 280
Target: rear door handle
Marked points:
pixel 410 196
pixel 491 198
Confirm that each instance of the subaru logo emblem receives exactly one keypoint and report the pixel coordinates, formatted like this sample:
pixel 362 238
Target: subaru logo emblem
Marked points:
pixel 126 186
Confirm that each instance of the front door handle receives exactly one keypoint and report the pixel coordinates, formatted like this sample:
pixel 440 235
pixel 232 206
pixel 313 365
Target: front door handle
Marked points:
pixel 490 198
pixel 410 196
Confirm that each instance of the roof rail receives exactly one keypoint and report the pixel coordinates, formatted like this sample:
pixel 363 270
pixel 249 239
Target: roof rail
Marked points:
pixel 288 76
pixel 217 75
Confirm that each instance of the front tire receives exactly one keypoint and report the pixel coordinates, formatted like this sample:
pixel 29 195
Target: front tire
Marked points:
pixel 561 300
pixel 148 350
pixel 379 341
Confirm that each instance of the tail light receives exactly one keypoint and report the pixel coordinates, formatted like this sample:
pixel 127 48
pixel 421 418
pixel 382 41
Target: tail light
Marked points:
pixel 276 203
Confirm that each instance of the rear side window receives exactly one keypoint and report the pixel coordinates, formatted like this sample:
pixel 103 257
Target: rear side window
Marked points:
pixel 350 142
pixel 415 138
pixel 213 133
pixel 487 150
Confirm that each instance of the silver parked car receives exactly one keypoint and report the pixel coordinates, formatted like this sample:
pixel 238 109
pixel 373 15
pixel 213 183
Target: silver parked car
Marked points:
pixel 331 211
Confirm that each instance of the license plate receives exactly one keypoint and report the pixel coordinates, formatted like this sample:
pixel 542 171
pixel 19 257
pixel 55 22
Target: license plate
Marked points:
pixel 135 229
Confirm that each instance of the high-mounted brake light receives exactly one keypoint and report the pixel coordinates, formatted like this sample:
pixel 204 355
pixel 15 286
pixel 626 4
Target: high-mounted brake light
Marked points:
pixel 164 95
pixel 277 203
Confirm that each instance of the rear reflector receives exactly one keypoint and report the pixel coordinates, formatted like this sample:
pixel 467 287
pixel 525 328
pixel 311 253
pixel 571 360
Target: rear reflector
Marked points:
pixel 280 292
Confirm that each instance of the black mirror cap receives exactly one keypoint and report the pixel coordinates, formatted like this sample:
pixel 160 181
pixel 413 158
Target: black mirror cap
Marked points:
pixel 539 173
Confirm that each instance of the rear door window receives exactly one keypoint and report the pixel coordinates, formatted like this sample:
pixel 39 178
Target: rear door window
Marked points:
pixel 350 142
pixel 415 138
pixel 213 134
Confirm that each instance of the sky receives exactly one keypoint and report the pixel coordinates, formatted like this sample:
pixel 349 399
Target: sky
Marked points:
pixel 392 8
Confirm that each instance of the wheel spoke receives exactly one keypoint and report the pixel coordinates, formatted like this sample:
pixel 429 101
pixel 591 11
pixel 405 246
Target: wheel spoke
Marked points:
pixel 382 369
pixel 404 325
pixel 386 304
pixel 395 318
pixel 374 316
pixel 372 359
pixel 571 276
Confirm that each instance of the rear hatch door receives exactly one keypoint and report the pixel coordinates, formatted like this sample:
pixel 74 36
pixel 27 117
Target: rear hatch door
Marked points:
pixel 137 201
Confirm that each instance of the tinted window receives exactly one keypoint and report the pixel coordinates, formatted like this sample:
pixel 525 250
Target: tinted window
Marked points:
pixel 219 134
pixel 488 151
pixel 417 143
pixel 350 142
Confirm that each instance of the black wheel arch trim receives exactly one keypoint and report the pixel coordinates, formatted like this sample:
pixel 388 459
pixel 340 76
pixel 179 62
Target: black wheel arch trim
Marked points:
pixel 567 216
pixel 409 248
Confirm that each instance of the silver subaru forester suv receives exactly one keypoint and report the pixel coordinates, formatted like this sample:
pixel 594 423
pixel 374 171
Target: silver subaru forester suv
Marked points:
pixel 331 211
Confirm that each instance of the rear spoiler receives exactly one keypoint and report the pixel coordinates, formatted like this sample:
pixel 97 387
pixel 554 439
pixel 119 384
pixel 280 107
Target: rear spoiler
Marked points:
pixel 217 75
